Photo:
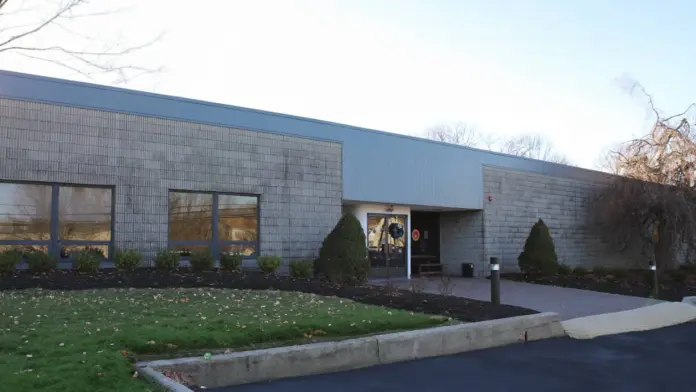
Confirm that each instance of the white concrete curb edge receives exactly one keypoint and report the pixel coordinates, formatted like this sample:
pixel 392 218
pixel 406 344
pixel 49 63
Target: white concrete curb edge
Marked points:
pixel 164 382
pixel 327 357
pixel 689 300
pixel 661 315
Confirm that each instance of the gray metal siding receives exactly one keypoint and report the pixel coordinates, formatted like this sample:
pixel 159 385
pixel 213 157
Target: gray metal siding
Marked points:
pixel 377 166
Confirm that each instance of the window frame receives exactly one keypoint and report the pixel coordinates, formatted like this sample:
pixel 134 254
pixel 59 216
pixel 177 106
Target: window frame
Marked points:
pixel 215 244
pixel 54 243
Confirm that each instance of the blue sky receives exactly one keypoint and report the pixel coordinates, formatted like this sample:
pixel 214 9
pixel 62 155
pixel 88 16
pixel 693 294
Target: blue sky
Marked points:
pixel 504 67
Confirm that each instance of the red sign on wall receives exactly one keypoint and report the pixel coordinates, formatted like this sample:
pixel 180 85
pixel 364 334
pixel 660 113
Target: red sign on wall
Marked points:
pixel 415 234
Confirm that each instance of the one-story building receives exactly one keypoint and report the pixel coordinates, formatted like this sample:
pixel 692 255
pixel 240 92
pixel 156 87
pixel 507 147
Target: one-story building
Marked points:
pixel 89 165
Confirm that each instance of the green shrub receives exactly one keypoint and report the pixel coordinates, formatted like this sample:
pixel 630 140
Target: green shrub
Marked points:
pixel 677 276
pixel 87 261
pixel 127 260
pixel 167 260
pixel 600 270
pixel 231 262
pixel 688 267
pixel 302 269
pixel 9 260
pixel 201 261
pixel 343 254
pixel 564 270
pixel 539 254
pixel 268 264
pixel 618 273
pixel 40 262
pixel 580 271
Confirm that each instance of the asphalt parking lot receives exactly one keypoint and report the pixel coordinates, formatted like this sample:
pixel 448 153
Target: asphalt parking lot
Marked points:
pixel 658 360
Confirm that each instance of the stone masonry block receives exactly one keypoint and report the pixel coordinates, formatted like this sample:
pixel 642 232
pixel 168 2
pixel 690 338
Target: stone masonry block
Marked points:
pixel 144 158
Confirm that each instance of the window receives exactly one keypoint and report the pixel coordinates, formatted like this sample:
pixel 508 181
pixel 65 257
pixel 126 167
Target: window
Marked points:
pixel 55 218
pixel 84 219
pixel 220 223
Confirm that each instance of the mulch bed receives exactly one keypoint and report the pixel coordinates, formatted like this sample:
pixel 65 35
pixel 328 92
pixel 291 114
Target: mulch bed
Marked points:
pixel 674 285
pixel 456 307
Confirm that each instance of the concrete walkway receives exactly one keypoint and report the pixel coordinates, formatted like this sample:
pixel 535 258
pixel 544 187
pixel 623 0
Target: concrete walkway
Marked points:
pixel 569 303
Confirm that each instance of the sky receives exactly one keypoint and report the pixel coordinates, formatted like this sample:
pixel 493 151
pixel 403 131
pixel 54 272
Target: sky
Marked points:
pixel 505 67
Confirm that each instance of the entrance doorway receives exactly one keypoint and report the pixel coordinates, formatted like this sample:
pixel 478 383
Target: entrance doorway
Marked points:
pixel 387 250
pixel 425 243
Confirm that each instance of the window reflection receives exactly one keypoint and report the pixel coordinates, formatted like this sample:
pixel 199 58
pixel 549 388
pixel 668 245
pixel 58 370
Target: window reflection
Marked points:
pixel 190 216
pixel 191 223
pixel 25 212
pixel 24 249
pixel 71 250
pixel 84 214
pixel 237 218
pixel 244 250
pixel 188 250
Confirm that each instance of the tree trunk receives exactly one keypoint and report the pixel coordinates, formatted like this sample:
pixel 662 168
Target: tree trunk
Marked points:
pixel 663 249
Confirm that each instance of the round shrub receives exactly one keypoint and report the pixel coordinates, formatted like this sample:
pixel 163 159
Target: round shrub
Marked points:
pixel 40 262
pixel 580 271
pixel 87 261
pixel 564 270
pixel 600 271
pixel 539 254
pixel 231 262
pixel 127 260
pixel 677 276
pixel 268 264
pixel 201 261
pixel 302 269
pixel 9 260
pixel 343 254
pixel 618 273
pixel 167 260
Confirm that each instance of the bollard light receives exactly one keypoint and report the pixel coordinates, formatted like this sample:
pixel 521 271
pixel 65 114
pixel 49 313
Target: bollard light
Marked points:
pixel 654 292
pixel 495 281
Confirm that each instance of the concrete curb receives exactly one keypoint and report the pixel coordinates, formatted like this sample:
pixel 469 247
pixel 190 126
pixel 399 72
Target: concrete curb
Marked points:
pixel 159 379
pixel 689 300
pixel 661 315
pixel 317 358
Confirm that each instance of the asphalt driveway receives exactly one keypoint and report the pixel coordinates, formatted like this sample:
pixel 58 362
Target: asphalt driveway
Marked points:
pixel 659 360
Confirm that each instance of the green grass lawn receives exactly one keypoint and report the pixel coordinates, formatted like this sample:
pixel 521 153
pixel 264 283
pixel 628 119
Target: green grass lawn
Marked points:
pixel 86 340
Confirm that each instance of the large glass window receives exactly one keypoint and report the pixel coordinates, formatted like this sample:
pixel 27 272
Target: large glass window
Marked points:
pixel 54 218
pixel 25 212
pixel 221 223
pixel 190 216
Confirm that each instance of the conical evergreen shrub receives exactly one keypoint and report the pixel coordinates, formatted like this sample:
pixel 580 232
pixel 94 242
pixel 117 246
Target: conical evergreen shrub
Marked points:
pixel 539 254
pixel 343 255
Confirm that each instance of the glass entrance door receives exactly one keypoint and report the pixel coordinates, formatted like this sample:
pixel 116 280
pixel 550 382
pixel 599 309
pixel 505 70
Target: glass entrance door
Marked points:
pixel 387 248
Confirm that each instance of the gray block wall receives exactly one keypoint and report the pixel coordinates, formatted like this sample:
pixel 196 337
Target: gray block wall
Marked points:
pixel 461 241
pixel 520 198
pixel 299 180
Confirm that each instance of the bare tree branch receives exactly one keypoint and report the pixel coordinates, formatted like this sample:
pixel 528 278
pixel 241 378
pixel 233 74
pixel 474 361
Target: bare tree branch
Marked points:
pixel 111 58
pixel 654 202
pixel 529 146
pixel 457 133
pixel 534 147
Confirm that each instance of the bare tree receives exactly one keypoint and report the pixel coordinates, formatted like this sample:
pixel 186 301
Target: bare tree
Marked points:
pixel 456 133
pixel 654 198
pixel 27 28
pixel 606 162
pixel 532 146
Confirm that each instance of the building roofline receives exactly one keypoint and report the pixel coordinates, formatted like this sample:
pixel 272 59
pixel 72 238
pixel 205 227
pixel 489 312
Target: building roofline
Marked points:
pixel 191 101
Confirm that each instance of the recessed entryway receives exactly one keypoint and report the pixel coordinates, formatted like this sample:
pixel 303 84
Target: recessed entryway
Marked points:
pixel 425 243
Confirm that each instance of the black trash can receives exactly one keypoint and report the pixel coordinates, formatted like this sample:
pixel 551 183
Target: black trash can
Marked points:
pixel 467 270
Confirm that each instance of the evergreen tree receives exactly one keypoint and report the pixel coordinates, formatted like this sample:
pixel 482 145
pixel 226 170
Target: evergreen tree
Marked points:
pixel 343 255
pixel 539 254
